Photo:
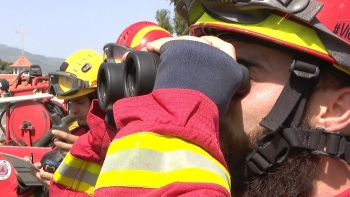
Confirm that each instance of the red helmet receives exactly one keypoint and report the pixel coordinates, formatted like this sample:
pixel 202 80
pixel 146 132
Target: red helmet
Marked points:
pixel 320 28
pixel 139 34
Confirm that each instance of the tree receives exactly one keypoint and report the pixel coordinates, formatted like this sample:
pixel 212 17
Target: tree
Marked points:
pixel 163 19
pixel 173 24
pixel 5 67
pixel 180 25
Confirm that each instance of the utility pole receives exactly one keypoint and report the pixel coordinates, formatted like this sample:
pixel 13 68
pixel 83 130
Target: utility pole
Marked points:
pixel 22 32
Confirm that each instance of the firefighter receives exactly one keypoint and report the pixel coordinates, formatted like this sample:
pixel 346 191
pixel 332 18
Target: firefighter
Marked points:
pixel 287 134
pixel 78 172
pixel 75 83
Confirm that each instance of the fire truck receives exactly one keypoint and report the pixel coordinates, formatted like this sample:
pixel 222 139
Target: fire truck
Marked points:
pixel 26 115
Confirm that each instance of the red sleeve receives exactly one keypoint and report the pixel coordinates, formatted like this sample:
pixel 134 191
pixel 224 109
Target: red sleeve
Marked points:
pixel 78 172
pixel 346 193
pixel 93 146
pixel 187 116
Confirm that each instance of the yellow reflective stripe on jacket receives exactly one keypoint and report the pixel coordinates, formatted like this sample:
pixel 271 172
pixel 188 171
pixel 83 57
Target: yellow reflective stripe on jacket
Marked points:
pixel 158 160
pixel 77 174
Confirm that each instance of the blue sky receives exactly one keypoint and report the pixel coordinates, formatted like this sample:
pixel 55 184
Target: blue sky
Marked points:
pixel 59 28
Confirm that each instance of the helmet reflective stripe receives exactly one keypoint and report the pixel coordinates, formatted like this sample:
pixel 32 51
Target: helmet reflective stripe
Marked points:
pixel 341 68
pixel 77 174
pixel 169 160
pixel 273 28
pixel 140 35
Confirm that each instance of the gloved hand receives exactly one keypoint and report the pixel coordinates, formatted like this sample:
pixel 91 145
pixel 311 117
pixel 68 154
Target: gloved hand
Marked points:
pixel 199 65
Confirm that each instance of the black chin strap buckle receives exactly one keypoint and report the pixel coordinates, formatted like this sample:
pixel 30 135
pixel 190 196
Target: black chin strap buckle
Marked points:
pixel 272 148
pixel 304 70
pixel 332 144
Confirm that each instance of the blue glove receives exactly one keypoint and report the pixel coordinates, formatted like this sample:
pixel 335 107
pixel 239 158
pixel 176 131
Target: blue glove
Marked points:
pixel 194 65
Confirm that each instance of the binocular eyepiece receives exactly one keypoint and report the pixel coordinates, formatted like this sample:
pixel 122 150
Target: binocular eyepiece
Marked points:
pixel 135 77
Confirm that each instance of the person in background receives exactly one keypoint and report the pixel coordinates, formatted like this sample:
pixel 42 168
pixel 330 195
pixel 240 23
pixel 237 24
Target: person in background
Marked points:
pixel 76 83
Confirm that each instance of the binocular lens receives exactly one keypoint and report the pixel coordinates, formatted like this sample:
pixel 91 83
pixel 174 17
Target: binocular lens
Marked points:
pixel 131 80
pixel 102 91
pixel 140 71
pixel 109 84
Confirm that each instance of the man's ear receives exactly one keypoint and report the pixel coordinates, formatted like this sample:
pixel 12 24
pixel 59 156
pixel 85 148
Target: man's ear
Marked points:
pixel 335 115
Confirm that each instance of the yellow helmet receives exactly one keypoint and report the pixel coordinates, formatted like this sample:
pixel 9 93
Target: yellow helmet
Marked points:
pixel 77 75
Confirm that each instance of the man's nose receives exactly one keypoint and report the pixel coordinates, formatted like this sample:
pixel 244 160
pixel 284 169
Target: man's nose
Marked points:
pixel 74 110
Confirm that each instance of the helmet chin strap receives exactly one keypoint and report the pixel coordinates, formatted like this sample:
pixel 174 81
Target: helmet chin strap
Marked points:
pixel 283 121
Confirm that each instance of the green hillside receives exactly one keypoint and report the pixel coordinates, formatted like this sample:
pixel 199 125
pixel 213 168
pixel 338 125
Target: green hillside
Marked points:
pixel 47 64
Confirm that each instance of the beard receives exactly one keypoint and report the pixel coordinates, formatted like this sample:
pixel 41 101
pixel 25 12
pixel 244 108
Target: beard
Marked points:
pixel 293 177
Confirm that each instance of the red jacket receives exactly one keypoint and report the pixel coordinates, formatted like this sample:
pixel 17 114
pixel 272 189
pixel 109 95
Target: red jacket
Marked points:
pixel 77 174
pixel 167 145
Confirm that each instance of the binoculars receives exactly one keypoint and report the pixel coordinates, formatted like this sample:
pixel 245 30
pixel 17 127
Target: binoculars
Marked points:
pixel 135 76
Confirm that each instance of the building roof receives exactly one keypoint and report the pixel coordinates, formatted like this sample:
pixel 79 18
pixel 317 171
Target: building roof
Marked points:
pixel 21 61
